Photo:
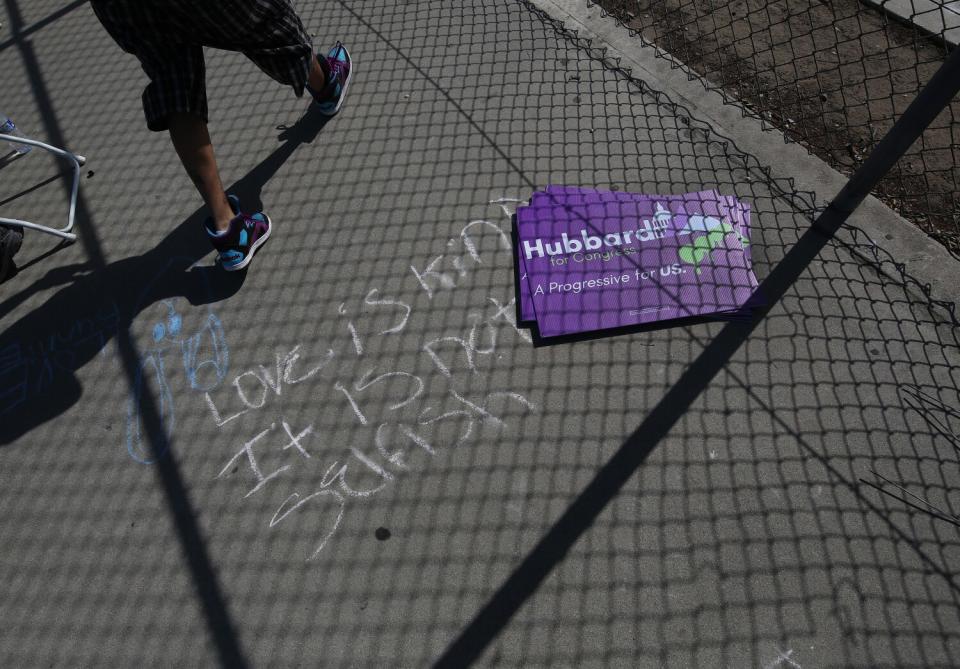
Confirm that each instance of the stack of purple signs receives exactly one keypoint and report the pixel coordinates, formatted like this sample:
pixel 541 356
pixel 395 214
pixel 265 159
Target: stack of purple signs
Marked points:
pixel 591 260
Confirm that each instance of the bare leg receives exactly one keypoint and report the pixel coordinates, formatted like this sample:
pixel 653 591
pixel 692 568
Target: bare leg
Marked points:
pixel 192 142
pixel 191 139
pixel 316 78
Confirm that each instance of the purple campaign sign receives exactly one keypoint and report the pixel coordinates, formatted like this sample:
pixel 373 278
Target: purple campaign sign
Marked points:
pixel 605 263
pixel 711 203
pixel 698 206
pixel 708 280
pixel 738 212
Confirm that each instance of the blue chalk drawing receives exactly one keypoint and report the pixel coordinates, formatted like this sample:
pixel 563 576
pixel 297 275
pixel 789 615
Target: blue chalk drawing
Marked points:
pixel 14 388
pixel 205 358
pixel 28 369
pixel 165 401
pixel 173 332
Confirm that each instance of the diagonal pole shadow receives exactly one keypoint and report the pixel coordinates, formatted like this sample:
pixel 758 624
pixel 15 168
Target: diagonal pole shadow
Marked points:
pixel 579 517
pixel 25 31
pixel 204 577
pixel 606 484
pixel 220 625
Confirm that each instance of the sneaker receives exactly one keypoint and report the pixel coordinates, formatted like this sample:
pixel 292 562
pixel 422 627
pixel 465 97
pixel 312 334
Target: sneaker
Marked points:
pixel 10 241
pixel 247 232
pixel 329 101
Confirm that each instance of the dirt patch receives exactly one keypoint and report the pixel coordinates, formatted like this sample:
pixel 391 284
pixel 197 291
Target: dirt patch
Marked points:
pixel 833 75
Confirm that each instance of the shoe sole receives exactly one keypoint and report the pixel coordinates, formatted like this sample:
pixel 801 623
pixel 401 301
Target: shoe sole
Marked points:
pixel 343 93
pixel 253 249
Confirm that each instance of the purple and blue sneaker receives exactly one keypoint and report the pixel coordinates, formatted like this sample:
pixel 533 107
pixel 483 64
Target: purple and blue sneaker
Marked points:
pixel 247 232
pixel 339 73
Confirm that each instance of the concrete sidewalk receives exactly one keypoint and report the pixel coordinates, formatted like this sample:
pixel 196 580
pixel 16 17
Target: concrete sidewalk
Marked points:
pixel 358 448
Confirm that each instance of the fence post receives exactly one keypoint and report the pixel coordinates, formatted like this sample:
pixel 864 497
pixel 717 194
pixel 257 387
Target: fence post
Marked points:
pixel 930 101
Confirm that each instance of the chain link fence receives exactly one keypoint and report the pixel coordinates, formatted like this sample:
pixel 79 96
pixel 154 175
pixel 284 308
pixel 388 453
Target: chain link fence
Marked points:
pixel 833 75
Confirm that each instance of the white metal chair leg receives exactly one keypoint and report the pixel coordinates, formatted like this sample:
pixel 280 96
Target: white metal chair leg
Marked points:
pixel 76 161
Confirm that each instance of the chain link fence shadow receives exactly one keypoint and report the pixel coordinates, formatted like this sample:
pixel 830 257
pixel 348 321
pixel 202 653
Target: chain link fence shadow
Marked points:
pixel 374 454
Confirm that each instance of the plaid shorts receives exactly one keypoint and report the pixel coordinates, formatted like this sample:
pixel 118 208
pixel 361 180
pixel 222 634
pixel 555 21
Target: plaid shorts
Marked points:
pixel 168 37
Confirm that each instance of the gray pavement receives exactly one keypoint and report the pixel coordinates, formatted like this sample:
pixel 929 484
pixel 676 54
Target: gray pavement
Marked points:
pixel 346 456
pixel 939 17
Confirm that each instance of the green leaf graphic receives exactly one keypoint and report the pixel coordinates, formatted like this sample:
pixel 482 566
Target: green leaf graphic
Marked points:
pixel 694 254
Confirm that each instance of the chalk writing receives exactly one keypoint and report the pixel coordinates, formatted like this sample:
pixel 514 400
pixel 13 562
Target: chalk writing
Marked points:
pixel 204 358
pixel 286 509
pixel 394 417
pixel 247 451
pixel 783 659
pixel 28 369
pixel 254 388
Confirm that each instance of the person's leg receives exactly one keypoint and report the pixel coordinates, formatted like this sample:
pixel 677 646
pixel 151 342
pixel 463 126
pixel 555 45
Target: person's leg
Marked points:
pixel 191 140
pixel 175 99
pixel 317 78
pixel 271 34
pixel 235 235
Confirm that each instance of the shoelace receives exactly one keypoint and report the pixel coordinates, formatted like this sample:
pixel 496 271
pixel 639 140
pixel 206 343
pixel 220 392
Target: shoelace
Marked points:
pixel 336 69
pixel 337 66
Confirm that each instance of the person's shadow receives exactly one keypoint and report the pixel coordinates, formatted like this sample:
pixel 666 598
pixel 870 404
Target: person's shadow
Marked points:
pixel 41 352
